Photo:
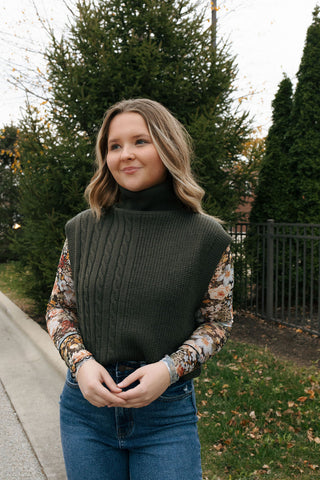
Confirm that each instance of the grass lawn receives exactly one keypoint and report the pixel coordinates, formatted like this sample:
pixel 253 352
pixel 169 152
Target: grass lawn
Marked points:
pixel 259 417
pixel 13 280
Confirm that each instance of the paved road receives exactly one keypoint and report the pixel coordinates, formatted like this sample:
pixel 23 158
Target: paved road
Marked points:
pixel 32 376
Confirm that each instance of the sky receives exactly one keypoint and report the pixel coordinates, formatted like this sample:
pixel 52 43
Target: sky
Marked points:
pixel 266 37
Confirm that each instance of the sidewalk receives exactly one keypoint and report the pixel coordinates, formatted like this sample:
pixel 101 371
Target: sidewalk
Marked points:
pixel 32 377
pixel 17 459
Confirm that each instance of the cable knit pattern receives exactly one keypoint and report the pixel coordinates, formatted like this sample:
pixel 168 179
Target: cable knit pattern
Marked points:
pixel 150 277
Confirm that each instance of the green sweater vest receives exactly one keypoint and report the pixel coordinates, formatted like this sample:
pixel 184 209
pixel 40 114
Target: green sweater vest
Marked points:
pixel 140 274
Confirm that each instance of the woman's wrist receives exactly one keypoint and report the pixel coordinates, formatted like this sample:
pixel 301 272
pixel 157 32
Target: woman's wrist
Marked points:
pixel 79 365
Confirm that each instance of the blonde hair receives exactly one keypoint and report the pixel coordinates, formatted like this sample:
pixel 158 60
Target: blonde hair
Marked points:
pixel 172 143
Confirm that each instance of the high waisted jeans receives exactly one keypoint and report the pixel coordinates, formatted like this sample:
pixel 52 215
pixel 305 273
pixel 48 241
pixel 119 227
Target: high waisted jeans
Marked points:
pixel 156 442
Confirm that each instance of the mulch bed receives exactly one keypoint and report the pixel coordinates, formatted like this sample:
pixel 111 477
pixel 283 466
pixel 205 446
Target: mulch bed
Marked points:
pixel 289 343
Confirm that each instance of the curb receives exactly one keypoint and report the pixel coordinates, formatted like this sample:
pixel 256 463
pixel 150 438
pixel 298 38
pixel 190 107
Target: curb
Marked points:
pixel 37 335
pixel 33 375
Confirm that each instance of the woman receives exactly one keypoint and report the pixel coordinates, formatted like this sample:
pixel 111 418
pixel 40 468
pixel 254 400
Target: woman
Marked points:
pixel 141 299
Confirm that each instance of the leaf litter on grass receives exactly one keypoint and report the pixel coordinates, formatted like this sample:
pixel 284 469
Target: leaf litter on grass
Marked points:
pixel 258 416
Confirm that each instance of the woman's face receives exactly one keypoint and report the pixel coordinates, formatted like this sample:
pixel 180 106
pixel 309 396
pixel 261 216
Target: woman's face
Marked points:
pixel 132 157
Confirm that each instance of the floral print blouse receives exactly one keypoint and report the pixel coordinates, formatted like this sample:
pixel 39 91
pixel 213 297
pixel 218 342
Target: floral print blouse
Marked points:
pixel 213 319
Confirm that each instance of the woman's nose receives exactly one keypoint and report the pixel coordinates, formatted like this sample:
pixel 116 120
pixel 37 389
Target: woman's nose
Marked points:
pixel 127 152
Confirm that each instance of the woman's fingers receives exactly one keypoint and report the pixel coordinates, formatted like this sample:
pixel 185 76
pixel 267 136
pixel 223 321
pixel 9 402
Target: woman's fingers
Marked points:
pixel 154 379
pixel 133 377
pixel 96 385
pixel 100 396
pixel 109 382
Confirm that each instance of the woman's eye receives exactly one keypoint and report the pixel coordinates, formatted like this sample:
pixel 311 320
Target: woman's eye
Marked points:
pixel 141 141
pixel 114 146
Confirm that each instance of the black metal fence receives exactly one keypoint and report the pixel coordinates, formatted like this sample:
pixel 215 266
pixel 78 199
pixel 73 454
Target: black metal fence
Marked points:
pixel 277 272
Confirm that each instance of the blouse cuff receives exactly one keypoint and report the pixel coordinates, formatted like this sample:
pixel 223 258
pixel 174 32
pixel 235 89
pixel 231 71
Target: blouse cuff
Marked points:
pixel 185 360
pixel 174 377
pixel 79 364
pixel 73 352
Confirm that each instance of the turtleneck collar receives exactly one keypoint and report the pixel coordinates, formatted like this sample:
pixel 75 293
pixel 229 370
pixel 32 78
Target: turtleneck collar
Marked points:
pixel 156 198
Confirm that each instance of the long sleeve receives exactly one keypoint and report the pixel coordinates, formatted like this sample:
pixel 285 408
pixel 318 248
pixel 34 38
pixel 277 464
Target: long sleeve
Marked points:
pixel 61 316
pixel 214 317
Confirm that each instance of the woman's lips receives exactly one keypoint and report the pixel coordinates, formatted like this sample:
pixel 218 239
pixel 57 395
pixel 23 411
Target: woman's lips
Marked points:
pixel 130 170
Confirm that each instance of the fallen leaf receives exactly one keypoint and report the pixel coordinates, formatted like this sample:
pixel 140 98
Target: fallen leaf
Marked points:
pixel 288 412
pixel 218 447
pixel 310 392
pixel 310 435
pixel 302 399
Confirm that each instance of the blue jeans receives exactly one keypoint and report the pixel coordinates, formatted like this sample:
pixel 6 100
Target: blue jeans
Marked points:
pixel 156 442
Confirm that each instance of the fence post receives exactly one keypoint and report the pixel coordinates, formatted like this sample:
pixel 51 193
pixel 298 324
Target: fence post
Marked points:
pixel 270 258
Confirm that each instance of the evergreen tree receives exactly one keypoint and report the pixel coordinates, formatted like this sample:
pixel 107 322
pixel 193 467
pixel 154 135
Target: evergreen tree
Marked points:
pixel 115 50
pixel 272 198
pixel 219 143
pixel 9 166
pixel 54 171
pixel 158 50
pixel 305 132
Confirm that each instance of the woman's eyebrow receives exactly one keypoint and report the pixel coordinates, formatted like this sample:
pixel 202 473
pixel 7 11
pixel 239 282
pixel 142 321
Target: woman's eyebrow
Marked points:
pixel 139 135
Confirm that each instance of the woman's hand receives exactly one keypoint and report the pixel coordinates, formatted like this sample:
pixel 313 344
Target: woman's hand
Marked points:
pixel 90 377
pixel 153 379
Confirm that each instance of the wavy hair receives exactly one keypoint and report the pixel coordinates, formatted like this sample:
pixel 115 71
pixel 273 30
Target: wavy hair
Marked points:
pixel 172 143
